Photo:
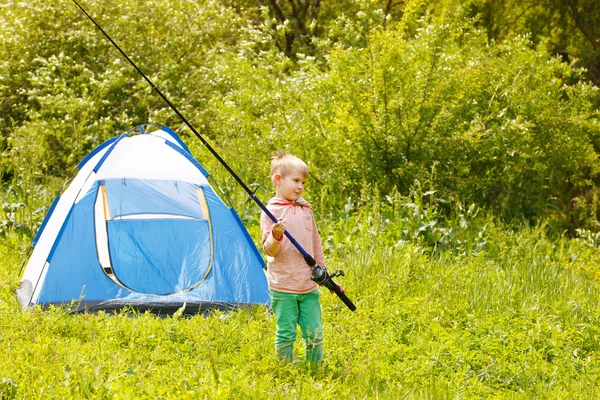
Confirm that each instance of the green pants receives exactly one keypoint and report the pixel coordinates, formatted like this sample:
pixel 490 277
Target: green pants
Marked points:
pixel 298 309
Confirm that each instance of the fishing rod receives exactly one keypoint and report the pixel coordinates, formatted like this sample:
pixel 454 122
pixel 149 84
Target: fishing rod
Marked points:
pixel 319 274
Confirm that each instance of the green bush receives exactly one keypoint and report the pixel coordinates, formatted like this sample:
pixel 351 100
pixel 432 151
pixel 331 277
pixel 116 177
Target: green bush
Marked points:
pixel 382 100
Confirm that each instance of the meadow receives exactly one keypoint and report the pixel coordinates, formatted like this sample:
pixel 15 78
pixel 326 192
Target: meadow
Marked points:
pixel 453 149
pixel 498 312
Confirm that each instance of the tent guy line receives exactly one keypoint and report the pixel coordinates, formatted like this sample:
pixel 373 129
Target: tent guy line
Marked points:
pixel 320 274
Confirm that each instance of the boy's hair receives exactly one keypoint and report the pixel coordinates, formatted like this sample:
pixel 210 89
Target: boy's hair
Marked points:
pixel 284 164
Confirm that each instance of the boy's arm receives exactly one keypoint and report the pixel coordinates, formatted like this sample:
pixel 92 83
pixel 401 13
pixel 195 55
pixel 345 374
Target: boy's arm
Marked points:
pixel 270 244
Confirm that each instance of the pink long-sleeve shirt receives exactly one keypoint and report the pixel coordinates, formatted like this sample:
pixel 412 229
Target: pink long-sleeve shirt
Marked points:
pixel 286 269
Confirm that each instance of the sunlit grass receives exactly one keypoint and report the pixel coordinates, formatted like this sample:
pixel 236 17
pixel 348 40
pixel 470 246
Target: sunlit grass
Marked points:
pixel 517 317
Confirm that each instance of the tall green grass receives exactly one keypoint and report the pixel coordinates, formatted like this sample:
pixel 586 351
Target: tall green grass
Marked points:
pixel 450 305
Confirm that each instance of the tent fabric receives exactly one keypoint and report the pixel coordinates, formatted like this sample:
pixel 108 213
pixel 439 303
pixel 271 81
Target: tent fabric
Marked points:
pixel 140 226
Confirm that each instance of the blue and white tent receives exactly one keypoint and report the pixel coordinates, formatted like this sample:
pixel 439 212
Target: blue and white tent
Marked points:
pixel 140 226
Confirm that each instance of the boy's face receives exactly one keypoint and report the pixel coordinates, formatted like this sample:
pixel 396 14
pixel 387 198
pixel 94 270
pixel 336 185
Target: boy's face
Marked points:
pixel 291 186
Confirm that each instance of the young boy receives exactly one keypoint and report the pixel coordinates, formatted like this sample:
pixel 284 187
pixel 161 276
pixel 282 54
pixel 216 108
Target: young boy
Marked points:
pixel 294 296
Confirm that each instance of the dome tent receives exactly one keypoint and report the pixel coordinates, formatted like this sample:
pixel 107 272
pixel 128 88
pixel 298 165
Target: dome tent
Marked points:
pixel 140 226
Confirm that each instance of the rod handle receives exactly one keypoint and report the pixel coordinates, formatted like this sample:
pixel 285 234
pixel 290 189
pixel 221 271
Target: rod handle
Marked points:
pixel 343 297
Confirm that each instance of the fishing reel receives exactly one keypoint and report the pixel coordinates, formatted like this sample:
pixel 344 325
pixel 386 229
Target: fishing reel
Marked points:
pixel 322 277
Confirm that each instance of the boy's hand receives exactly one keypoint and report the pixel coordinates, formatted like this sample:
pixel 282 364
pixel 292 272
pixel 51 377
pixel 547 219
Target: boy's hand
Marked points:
pixel 338 285
pixel 278 229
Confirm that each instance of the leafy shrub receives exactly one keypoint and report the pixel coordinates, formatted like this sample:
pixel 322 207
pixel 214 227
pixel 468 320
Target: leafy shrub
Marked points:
pixel 506 127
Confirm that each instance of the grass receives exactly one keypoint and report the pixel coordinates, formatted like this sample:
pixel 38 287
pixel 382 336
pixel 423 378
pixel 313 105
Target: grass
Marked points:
pixel 498 313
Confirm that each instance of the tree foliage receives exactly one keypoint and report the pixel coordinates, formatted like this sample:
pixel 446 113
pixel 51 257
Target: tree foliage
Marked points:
pixel 371 93
pixel 570 28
